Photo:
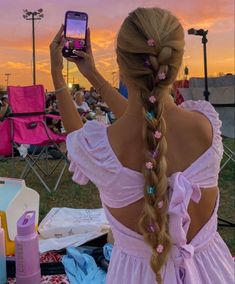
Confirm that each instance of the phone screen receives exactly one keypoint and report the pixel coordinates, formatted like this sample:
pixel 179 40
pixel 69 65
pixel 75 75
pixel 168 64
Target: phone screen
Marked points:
pixel 76 27
pixel 75 32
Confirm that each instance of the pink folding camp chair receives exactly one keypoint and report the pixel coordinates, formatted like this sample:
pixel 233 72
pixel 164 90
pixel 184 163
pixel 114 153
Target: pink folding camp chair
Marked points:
pixel 28 126
pixel 5 138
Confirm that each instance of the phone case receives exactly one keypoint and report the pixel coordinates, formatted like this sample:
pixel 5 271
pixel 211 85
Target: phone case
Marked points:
pixel 72 44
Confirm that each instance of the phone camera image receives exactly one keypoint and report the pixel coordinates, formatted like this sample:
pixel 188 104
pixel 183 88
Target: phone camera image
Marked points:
pixel 75 33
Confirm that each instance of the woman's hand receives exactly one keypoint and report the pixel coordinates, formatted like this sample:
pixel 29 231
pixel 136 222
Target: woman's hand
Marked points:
pixel 56 47
pixel 85 62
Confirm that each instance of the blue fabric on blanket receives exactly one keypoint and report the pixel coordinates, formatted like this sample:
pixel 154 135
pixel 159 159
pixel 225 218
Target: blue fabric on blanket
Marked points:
pixel 81 268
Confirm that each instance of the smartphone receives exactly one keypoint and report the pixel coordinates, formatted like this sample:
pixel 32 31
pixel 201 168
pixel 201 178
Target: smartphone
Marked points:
pixel 75 32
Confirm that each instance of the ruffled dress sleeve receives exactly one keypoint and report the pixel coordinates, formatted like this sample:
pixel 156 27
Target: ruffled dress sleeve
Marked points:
pixel 90 156
pixel 209 111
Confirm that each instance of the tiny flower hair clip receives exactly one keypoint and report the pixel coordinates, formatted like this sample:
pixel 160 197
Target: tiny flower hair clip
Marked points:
pixel 152 228
pixel 160 248
pixel 149 165
pixel 147 62
pixel 151 42
pixel 151 190
pixel 161 76
pixel 160 204
pixel 157 134
pixel 155 153
pixel 152 99
pixel 150 115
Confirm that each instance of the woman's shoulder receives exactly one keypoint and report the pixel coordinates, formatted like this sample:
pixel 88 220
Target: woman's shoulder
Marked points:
pixel 206 122
pixel 205 108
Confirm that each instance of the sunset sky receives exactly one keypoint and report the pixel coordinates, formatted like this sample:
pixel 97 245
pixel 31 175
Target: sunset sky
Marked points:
pixel 105 18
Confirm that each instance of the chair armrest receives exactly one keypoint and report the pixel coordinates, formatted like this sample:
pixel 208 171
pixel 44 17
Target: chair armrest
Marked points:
pixel 53 116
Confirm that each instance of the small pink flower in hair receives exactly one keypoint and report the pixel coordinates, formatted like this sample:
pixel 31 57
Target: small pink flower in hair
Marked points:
pixel 152 99
pixel 161 76
pixel 151 42
pixel 160 204
pixel 149 165
pixel 157 134
pixel 160 248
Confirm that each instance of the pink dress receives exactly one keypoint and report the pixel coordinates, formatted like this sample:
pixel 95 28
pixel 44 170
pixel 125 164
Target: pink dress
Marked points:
pixel 206 259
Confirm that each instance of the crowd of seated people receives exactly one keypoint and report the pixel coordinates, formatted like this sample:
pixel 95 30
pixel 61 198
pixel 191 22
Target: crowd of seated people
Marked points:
pixel 4 107
pixel 90 104
pixel 51 108
pixel 82 106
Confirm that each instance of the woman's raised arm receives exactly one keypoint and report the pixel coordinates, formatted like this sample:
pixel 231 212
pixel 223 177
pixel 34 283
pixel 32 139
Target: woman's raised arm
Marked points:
pixel 70 117
pixel 86 65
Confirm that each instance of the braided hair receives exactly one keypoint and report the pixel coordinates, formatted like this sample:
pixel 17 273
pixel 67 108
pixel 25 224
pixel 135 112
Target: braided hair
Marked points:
pixel 149 50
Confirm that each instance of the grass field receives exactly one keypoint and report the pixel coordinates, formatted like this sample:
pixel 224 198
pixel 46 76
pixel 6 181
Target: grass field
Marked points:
pixel 72 195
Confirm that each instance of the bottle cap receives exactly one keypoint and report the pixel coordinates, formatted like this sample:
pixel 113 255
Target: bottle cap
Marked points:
pixel 26 223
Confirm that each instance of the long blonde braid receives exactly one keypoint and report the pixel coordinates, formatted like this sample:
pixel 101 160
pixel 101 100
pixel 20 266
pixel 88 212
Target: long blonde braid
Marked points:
pixel 149 53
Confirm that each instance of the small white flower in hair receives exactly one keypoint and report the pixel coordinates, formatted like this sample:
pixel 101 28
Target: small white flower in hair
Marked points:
pixel 151 42
pixel 161 76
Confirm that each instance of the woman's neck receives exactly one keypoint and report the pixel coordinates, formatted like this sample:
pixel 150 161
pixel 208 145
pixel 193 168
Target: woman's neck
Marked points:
pixel 135 106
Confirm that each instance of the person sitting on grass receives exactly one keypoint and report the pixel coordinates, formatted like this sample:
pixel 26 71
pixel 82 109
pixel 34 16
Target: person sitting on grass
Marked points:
pixel 156 167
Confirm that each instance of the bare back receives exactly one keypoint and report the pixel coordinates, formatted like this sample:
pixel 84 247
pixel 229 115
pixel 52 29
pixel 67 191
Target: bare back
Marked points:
pixel 189 135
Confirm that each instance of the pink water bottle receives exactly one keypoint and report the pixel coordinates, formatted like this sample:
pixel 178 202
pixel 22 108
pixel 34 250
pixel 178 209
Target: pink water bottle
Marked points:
pixel 3 270
pixel 27 250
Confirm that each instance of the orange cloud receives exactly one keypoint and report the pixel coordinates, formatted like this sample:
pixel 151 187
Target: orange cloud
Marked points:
pixel 105 17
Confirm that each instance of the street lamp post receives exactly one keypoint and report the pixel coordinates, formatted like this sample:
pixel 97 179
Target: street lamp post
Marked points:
pixel 33 16
pixel 203 33
pixel 7 78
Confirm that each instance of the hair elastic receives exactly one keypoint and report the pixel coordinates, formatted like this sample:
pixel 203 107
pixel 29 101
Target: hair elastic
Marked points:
pixel 60 90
